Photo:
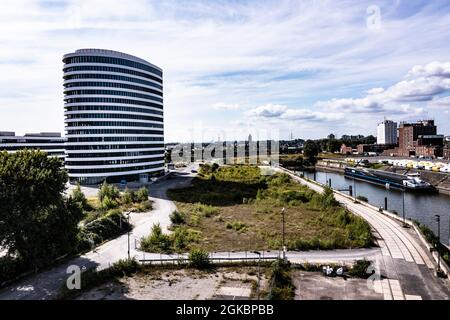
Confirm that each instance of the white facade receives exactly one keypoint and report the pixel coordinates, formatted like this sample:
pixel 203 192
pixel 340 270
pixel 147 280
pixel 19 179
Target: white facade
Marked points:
pixel 387 132
pixel 50 142
pixel 113 116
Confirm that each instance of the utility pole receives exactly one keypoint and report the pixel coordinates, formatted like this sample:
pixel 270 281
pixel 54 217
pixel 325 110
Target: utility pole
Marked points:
pixel 282 229
pixel 403 207
pixel 259 274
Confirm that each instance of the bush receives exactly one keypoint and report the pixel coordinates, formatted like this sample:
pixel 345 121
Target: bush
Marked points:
pixel 112 224
pixel 177 217
pixel 79 197
pixel 127 196
pixel 182 237
pixel 108 190
pixel 236 225
pixel 157 241
pixel 108 203
pixel 205 210
pixel 282 287
pixel 143 206
pixel 359 269
pixel 199 258
pixel 142 194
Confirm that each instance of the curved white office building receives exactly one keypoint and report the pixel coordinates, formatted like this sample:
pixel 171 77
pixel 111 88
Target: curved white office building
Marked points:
pixel 113 115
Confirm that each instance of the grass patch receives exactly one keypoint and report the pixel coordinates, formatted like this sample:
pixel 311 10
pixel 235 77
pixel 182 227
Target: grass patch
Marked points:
pixel 237 208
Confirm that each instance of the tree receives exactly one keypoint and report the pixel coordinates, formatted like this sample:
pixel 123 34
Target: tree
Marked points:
pixel 79 197
pixel 37 224
pixel 333 145
pixel 310 151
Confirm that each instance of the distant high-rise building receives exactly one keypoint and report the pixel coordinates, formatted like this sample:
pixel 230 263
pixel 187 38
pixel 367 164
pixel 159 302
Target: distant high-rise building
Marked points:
pixel 114 117
pixel 250 139
pixel 387 132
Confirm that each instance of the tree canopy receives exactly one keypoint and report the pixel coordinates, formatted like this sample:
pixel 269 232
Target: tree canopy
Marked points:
pixel 37 223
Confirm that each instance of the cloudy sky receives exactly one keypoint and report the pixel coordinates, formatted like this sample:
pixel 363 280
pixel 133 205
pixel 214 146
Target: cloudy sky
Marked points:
pixel 233 67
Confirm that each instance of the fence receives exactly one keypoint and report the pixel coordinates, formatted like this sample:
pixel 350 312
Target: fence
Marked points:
pixel 183 259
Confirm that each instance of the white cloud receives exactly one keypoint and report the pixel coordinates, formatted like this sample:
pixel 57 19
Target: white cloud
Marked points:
pixel 249 53
pixel 267 111
pixel 282 112
pixel 225 106
pixel 391 101
pixel 432 69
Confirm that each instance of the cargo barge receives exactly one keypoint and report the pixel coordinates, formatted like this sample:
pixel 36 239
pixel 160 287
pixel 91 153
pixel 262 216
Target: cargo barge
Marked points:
pixel 389 180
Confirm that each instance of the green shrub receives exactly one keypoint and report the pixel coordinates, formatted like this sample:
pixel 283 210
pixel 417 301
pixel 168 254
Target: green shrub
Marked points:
pixel 183 236
pixel 282 287
pixel 79 197
pixel 359 269
pixel 177 217
pixel 142 194
pixel 108 203
pixel 236 225
pixel 127 196
pixel 143 206
pixel 205 210
pixel 108 190
pixel 157 241
pixel 112 224
pixel 199 258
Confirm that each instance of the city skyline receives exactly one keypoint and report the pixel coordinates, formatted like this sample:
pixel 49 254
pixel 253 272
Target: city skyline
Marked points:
pixel 241 66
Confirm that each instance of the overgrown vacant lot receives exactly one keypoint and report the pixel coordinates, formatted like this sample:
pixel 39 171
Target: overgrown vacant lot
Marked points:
pixel 237 208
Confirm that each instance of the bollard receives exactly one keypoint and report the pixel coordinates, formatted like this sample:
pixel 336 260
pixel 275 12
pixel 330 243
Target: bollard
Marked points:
pixel 350 191
pixel 385 203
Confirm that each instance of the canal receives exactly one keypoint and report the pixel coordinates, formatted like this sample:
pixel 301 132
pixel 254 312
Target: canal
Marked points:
pixel 420 207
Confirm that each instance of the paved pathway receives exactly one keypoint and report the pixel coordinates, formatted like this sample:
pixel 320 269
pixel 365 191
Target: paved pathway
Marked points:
pixel 405 265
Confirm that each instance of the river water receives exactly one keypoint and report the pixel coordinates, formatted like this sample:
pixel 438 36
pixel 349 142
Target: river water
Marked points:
pixel 421 207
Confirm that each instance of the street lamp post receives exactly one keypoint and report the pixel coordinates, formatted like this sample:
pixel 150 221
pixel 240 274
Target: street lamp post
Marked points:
pixel 282 230
pixel 438 219
pixel 259 274
pixel 128 233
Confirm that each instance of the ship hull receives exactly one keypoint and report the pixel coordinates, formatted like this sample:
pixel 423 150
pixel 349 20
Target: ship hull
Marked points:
pixel 384 179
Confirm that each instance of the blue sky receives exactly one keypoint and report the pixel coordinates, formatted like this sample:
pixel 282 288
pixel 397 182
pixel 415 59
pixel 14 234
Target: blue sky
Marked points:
pixel 233 67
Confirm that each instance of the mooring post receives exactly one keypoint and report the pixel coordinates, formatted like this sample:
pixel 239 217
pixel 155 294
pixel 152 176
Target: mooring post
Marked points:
pixel 385 203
